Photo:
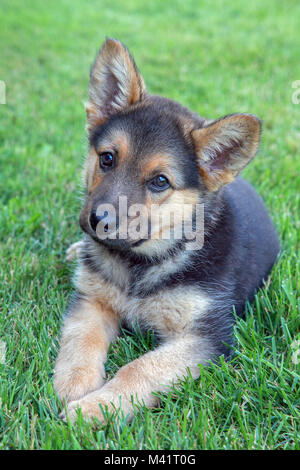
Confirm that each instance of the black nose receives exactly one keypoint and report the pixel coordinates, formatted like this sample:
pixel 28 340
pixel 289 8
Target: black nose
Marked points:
pixel 95 219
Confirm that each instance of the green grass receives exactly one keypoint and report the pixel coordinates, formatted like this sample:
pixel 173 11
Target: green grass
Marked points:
pixel 217 58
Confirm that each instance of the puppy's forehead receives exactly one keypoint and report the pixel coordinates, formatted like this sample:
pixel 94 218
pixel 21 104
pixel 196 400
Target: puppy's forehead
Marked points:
pixel 142 135
pixel 143 131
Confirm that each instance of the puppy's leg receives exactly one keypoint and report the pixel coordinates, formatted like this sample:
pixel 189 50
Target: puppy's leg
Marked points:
pixel 153 372
pixel 87 332
pixel 73 252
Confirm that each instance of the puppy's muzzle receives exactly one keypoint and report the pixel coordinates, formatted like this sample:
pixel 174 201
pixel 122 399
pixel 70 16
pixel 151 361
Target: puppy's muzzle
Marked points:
pixel 106 222
pixel 95 219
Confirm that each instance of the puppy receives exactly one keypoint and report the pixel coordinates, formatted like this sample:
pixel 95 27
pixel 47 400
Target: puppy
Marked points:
pixel 150 152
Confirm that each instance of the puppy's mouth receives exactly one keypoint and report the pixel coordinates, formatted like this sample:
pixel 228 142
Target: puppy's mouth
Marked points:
pixel 105 236
pixel 114 232
pixel 117 244
pixel 122 234
pixel 138 243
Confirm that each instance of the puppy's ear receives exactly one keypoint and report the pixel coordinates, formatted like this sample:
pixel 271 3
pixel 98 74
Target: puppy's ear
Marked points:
pixel 224 147
pixel 115 83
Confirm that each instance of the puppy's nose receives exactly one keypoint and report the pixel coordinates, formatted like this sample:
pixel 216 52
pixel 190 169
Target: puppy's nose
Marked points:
pixel 105 223
pixel 95 219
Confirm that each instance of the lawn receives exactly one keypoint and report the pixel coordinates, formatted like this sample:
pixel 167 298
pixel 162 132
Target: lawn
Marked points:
pixel 217 58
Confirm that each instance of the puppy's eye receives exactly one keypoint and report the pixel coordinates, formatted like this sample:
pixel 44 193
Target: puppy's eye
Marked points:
pixel 107 160
pixel 159 183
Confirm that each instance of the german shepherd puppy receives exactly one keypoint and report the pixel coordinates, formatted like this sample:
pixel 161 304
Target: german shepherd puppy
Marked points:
pixel 160 156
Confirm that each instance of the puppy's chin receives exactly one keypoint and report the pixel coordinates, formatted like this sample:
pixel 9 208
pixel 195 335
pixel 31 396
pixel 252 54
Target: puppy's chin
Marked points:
pixel 145 247
pixel 152 249
pixel 119 245
pixel 155 248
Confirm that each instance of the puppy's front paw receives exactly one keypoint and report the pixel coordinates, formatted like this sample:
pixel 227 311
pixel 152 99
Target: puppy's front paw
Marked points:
pixel 89 406
pixel 73 252
pixel 77 382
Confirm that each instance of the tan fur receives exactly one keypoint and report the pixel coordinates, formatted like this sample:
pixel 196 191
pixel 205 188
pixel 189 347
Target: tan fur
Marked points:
pixel 74 251
pixel 172 201
pixel 160 199
pixel 113 64
pixel 135 382
pixel 110 292
pixel 164 270
pixel 233 140
pixel 90 168
pixel 215 180
pixel 86 335
pixel 92 324
pixel 93 116
pixel 161 164
pixel 92 174
pixel 117 141
pixel 168 311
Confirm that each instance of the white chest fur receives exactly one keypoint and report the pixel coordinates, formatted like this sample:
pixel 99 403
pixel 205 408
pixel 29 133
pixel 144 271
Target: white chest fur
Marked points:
pixel 170 311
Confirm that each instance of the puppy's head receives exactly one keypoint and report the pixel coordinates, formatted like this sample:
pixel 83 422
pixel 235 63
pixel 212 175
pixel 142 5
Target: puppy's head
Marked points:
pixel 149 156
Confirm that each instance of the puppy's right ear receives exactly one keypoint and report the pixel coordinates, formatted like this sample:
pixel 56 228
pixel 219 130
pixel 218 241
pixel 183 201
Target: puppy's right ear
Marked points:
pixel 225 146
pixel 115 83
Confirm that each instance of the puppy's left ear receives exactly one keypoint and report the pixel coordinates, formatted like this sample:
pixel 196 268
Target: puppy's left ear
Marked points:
pixel 115 83
pixel 224 147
